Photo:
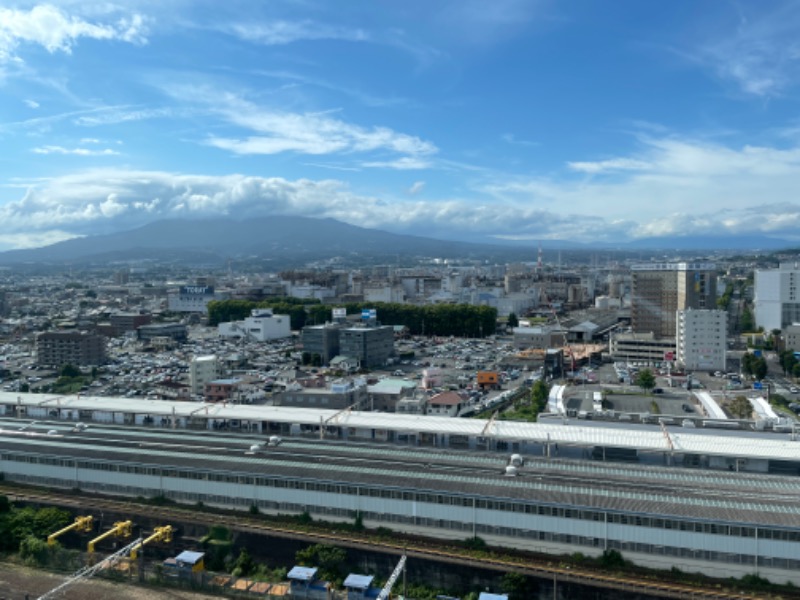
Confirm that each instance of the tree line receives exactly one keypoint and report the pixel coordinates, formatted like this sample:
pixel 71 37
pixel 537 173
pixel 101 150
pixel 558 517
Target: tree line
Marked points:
pixel 461 320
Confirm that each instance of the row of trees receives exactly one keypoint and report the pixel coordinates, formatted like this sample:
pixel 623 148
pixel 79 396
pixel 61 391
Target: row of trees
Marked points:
pixel 754 366
pixel 789 363
pixel 435 319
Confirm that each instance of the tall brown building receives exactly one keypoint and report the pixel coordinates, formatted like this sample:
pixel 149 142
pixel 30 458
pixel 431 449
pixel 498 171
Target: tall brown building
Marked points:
pixel 662 289
pixel 59 348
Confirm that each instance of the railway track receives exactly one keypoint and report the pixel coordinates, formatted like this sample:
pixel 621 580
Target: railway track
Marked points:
pixel 422 550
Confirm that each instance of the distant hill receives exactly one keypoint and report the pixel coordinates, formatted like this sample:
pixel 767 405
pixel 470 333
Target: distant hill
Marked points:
pixel 290 241
pixel 280 238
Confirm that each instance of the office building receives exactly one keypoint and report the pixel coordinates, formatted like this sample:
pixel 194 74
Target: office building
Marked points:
pixel 372 346
pixel 203 370
pixel 702 339
pixel 59 348
pixel 777 302
pixel 260 326
pixel 322 340
pixel 660 290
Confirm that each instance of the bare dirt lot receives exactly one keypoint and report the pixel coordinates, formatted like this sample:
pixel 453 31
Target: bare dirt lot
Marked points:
pixel 18 583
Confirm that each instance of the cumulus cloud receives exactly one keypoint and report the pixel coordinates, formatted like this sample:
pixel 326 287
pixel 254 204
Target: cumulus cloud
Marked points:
pixel 670 187
pixel 56 31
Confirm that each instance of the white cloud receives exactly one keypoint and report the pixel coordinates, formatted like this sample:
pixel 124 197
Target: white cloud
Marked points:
pixel 406 163
pixel 760 53
pixel 671 186
pixel 510 138
pixel 19 241
pixel 277 131
pixel 280 32
pixel 56 31
pixel 416 188
pixel 75 151
pixel 32 103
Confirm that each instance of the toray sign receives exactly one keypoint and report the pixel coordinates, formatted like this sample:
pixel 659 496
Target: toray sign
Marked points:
pixel 197 290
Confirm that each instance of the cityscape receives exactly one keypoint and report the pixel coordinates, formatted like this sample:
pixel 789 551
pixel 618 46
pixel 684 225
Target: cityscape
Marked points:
pixel 450 300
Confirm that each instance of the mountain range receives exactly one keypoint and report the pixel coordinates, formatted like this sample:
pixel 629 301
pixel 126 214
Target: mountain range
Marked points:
pixel 290 241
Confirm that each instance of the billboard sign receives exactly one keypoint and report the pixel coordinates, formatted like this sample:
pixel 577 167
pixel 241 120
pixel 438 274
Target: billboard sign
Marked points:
pixel 669 356
pixel 757 385
pixel 369 313
pixel 197 290
pixel 339 313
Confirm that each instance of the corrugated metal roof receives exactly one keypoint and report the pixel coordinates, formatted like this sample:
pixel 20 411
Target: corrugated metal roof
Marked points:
pixel 777 447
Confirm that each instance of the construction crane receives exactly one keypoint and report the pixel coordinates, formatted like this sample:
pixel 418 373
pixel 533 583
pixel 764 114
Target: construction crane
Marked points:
pixel 87 572
pixel 121 529
pixel 387 589
pixel 81 524
pixel 160 534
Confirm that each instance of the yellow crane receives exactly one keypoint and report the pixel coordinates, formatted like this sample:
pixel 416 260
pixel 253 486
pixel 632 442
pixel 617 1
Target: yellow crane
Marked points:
pixel 80 524
pixel 121 528
pixel 160 534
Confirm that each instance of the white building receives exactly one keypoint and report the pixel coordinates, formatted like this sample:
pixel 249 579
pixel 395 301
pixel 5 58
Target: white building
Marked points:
pixel 203 370
pixel 702 339
pixel 193 298
pixel 260 326
pixel 777 301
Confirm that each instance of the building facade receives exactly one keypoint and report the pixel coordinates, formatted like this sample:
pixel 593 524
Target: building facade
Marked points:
pixel 58 348
pixel 260 326
pixel 122 322
pixel 662 289
pixel 192 298
pixel 322 340
pixel 202 370
pixel 176 331
pixel 777 296
pixel 372 346
pixel 702 339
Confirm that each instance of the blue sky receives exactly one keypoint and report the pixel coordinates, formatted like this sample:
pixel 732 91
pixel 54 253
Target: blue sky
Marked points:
pixel 533 120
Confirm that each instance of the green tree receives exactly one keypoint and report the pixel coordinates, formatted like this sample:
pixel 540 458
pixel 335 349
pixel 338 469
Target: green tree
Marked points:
pixel 34 552
pixel 513 321
pixel 515 585
pixel 740 407
pixel 646 380
pixel 244 564
pixel 760 368
pixel 748 360
pixel 788 361
pixel 69 371
pixel 747 322
pixel 328 559
pixel 796 370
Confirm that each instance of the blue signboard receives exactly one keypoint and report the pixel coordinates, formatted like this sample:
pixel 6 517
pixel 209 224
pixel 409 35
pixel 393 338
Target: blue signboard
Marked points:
pixel 365 313
pixel 369 313
pixel 757 385
pixel 757 353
